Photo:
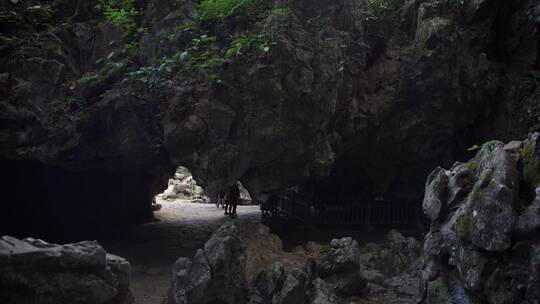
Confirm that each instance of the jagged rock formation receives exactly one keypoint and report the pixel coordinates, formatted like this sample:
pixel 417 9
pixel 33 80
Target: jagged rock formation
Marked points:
pixel 217 273
pixel 392 269
pixel 183 186
pixel 485 226
pixel 340 267
pixel 229 270
pixel 33 271
pixel 286 93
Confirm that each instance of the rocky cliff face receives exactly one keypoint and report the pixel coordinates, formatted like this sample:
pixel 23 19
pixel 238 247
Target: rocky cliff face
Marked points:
pixel 483 244
pixel 272 95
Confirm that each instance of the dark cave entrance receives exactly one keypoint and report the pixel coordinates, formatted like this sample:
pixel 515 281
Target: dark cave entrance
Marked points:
pixel 60 204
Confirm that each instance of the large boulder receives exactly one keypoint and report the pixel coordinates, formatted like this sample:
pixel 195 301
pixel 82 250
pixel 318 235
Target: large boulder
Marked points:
pixel 485 245
pixel 267 283
pixel 33 271
pixel 216 274
pixel 339 265
pixel 294 289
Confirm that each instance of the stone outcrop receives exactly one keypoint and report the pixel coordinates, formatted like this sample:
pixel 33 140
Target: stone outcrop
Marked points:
pixel 330 278
pixel 482 245
pixel 272 98
pixel 391 269
pixel 182 185
pixel 236 266
pixel 33 271
pixel 217 273
pixel 339 265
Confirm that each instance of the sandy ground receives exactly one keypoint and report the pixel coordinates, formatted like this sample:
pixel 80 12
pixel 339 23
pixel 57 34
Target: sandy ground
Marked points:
pixel 152 248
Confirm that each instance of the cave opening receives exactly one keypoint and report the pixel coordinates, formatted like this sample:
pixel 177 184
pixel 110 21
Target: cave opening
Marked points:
pixel 66 204
pixel 182 188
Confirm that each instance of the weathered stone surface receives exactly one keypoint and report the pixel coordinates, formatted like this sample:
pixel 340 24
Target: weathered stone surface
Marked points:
pixel 488 237
pixel 294 289
pixel 391 269
pixel 339 265
pixel 436 194
pixel 343 255
pixel 322 293
pixel 216 274
pixel 33 271
pixel 269 282
pixel 528 222
pixel 397 255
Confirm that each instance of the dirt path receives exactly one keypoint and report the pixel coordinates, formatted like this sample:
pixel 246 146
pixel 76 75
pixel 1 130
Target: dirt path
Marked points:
pixel 152 248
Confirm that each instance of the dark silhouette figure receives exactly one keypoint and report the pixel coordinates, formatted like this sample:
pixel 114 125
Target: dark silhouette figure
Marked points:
pixel 270 207
pixel 221 199
pixel 232 200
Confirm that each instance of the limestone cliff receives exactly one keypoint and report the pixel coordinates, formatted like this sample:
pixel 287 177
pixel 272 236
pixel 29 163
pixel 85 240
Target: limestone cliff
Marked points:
pixel 97 112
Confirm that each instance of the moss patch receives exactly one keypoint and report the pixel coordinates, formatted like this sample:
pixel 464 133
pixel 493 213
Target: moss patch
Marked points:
pixel 437 292
pixel 484 183
pixel 531 170
pixel 471 165
pixel 465 226
pixel 325 249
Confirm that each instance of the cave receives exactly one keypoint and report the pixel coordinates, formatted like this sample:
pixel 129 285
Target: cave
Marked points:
pixel 54 202
pixel 372 147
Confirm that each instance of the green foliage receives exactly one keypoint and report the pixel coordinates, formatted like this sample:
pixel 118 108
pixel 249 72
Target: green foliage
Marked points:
pixel 110 70
pixel 474 148
pixel 202 57
pixel 220 10
pixel 487 146
pixel 245 44
pixel 131 49
pixel 181 30
pixel 378 7
pixel 121 14
pixel 456 4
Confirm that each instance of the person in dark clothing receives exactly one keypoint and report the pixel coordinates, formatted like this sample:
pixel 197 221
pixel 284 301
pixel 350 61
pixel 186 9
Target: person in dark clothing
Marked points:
pixel 221 199
pixel 233 198
pixel 270 207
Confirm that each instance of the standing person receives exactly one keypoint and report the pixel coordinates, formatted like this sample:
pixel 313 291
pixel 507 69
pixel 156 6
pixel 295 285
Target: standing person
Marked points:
pixel 233 198
pixel 221 199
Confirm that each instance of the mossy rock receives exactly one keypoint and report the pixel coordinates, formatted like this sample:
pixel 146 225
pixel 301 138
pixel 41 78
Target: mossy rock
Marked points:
pixel 531 169
pixel 40 14
pixel 438 293
pixel 11 20
pixel 465 226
